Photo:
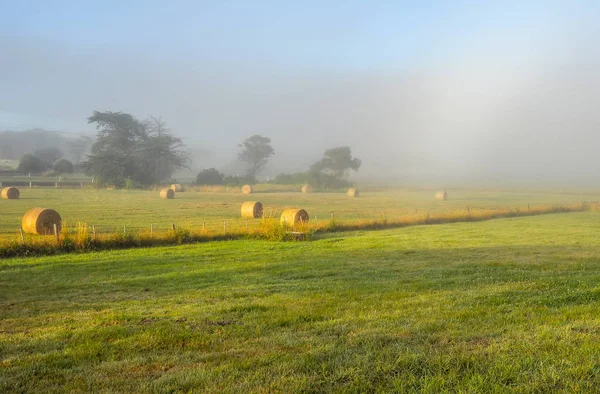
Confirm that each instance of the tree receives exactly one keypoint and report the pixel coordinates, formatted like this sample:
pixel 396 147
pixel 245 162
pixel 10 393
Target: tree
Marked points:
pixel 210 176
pixel 144 152
pixel 256 151
pixel 77 147
pixel 337 162
pixel 49 155
pixel 63 166
pixel 31 163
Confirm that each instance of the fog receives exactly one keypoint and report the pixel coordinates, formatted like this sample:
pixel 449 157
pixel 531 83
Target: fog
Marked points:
pixel 502 109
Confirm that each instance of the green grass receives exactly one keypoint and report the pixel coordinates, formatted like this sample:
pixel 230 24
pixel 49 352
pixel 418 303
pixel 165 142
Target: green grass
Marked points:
pixel 503 305
pixel 110 210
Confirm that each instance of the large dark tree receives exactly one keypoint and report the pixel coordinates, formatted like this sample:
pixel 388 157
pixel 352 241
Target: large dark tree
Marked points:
pixel 63 166
pixel 144 152
pixel 256 151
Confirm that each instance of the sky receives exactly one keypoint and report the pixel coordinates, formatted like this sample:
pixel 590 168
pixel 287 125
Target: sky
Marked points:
pixel 453 90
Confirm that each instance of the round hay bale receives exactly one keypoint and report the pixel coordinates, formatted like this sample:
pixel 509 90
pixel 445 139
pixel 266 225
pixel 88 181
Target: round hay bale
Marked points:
pixel 443 196
pixel 247 189
pixel 167 193
pixel 10 193
pixel 176 187
pixel 352 192
pixel 293 216
pixel 41 221
pixel 307 189
pixel 252 210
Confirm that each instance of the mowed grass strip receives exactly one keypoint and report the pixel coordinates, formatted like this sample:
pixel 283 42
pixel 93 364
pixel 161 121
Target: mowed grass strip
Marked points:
pixel 505 305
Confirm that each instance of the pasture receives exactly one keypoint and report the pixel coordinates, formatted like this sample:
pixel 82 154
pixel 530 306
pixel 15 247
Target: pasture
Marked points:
pixel 110 210
pixel 503 305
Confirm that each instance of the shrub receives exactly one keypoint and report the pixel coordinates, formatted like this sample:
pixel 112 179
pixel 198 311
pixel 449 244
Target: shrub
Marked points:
pixel 210 176
pixel 63 166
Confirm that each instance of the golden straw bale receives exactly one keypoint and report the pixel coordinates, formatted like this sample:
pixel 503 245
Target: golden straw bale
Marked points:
pixel 443 196
pixel 167 193
pixel 252 210
pixel 247 189
pixel 307 189
pixel 10 193
pixel 41 221
pixel 293 216
pixel 353 192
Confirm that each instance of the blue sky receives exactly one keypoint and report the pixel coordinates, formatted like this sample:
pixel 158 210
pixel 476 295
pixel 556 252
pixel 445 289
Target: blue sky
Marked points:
pixel 418 76
pixel 295 36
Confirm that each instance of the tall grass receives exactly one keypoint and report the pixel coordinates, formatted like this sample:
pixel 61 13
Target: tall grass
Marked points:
pixel 82 239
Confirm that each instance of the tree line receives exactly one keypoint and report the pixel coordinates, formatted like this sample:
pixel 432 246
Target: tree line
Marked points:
pixel 136 153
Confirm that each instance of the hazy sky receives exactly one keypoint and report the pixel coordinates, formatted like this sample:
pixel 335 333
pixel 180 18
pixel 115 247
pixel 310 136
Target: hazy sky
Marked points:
pixel 437 89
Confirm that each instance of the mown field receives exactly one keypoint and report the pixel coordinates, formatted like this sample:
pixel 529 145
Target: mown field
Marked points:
pixel 496 306
pixel 110 210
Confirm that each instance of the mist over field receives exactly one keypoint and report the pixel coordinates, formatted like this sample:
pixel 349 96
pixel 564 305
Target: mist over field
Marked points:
pixel 467 96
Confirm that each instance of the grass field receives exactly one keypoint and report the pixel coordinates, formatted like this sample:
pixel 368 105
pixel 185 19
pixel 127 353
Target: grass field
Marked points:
pixel 504 305
pixel 110 210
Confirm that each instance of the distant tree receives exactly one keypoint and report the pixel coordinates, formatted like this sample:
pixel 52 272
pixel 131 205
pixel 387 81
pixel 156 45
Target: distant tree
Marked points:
pixel 143 152
pixel 31 163
pixel 49 155
pixel 77 147
pixel 63 166
pixel 337 162
pixel 210 176
pixel 256 151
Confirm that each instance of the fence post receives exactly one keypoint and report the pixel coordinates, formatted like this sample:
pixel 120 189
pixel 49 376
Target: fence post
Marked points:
pixel 30 182
pixel 203 226
pixel 469 212
pixel 151 230
pixel 56 233
pixel 332 216
pixel 224 226
pixel 124 230
pixel 22 236
pixel 173 226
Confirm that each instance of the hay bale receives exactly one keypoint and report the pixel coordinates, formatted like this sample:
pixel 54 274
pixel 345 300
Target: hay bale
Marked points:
pixel 10 193
pixel 247 189
pixel 41 221
pixel 293 216
pixel 252 210
pixel 176 187
pixel 352 192
pixel 443 196
pixel 307 189
pixel 167 193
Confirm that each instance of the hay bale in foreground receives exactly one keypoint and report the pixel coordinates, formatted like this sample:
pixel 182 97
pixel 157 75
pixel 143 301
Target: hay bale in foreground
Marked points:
pixel 293 216
pixel 443 196
pixel 252 210
pixel 167 193
pixel 247 189
pixel 352 192
pixel 307 189
pixel 10 193
pixel 41 221
pixel 176 187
